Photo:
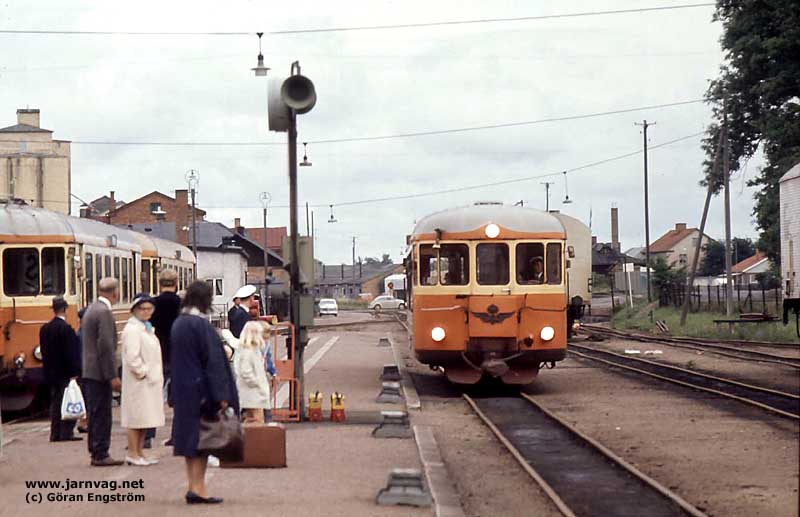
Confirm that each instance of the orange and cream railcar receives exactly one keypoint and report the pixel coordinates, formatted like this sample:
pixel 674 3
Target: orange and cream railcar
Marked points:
pixel 44 254
pixel 489 292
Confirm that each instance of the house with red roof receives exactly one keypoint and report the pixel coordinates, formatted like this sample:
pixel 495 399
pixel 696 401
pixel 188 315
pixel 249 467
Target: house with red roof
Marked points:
pixel 745 272
pixel 677 246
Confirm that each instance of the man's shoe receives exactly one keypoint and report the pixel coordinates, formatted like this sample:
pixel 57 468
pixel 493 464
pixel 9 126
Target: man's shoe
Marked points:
pixel 108 461
pixel 192 498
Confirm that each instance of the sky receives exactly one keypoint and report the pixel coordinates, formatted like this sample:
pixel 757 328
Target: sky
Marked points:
pixel 200 89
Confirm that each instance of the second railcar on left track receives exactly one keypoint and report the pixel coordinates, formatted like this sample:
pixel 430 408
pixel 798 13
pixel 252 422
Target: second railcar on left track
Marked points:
pixel 44 254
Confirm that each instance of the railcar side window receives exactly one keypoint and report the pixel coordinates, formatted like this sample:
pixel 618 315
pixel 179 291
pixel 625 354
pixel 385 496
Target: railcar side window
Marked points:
pixel 530 263
pixel 554 263
pixel 21 271
pixel 454 264
pixel 492 262
pixel 98 273
pixel 107 266
pixel 116 269
pixel 414 267
pixel 428 271
pixel 145 280
pixel 89 295
pixel 125 284
pixel 54 280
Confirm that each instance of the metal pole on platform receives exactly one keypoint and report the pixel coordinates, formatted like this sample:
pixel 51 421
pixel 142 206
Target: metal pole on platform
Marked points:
pixel 265 198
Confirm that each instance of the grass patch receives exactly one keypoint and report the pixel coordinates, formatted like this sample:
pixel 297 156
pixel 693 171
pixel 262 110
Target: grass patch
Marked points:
pixel 701 324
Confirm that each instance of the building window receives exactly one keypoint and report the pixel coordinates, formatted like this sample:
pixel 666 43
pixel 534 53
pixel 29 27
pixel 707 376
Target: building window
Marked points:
pixel 216 286
pixel 155 207
pixel 684 259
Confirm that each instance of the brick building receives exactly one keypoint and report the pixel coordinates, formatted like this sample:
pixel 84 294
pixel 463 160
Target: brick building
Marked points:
pixel 275 236
pixel 151 208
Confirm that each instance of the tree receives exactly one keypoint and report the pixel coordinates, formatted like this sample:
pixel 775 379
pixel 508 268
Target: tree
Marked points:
pixel 386 259
pixel 760 81
pixel 713 262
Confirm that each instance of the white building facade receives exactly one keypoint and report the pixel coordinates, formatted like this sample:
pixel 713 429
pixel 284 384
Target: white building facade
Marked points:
pixel 790 232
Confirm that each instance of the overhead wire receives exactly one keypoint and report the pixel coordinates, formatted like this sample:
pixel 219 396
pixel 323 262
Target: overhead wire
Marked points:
pixel 362 27
pixel 391 136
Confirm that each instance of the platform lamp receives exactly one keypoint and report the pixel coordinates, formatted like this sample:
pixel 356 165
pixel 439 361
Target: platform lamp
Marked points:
pixel 305 162
pixel 260 70
pixel 193 179
pixel 567 200
pixel 332 219
pixel 265 198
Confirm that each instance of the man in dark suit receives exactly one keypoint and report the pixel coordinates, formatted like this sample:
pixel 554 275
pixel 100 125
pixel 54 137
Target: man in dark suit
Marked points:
pixel 61 358
pixel 99 336
pixel 167 308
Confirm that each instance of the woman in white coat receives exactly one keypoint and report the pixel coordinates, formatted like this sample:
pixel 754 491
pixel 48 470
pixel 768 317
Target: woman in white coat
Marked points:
pixel 142 405
pixel 251 373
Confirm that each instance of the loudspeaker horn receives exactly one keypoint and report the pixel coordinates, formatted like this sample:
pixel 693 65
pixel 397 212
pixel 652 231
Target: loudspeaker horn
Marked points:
pixel 298 93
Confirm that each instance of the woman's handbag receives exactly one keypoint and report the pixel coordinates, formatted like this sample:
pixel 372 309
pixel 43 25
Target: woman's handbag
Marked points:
pixel 222 436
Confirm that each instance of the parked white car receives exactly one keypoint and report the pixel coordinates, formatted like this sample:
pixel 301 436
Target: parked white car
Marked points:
pixel 328 306
pixel 385 302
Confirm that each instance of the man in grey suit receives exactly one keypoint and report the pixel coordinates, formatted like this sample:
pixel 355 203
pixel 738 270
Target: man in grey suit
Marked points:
pixel 100 378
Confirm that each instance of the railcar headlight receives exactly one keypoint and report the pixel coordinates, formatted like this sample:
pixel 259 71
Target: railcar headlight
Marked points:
pixel 547 333
pixel 437 334
pixel 492 230
pixel 19 360
pixel 37 352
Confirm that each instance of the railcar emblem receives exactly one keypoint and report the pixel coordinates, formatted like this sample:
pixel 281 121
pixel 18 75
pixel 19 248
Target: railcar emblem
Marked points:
pixel 492 316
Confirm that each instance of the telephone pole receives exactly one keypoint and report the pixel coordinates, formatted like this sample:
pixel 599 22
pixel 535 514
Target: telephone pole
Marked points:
pixel 727 179
pixel 547 194
pixel 645 125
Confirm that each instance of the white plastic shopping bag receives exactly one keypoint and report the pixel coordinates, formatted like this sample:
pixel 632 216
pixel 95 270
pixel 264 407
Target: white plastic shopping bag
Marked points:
pixel 72 405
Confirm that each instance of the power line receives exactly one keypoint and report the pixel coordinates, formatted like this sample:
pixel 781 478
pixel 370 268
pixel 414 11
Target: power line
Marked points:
pixel 482 185
pixel 359 28
pixel 395 135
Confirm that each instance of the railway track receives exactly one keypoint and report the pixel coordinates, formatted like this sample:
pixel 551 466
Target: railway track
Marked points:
pixel 580 476
pixel 717 348
pixel 777 402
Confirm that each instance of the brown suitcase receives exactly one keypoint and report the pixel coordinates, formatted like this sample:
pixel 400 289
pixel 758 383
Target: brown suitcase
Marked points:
pixel 264 446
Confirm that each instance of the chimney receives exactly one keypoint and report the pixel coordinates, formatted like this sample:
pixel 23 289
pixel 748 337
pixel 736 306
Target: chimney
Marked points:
pixel 183 214
pixel 29 117
pixel 323 270
pixel 112 204
pixel 594 240
pixel 237 226
pixel 342 271
pixel 615 228
pixel 680 226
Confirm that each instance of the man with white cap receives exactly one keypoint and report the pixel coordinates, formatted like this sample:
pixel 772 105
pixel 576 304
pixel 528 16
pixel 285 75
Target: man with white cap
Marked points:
pixel 238 318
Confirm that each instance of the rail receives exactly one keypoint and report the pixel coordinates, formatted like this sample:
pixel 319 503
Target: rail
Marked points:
pixel 571 467
pixel 777 402
pixel 708 346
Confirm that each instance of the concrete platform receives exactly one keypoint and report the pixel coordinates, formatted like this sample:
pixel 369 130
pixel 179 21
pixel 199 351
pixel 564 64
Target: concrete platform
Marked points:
pixel 333 468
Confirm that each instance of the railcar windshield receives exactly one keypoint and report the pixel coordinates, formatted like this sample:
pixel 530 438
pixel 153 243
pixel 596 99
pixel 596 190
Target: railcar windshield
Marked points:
pixel 535 267
pixel 30 272
pixel 492 262
pixel 454 264
pixel 428 265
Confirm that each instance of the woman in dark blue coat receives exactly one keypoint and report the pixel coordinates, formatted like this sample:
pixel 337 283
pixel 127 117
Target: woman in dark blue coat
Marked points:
pixel 202 384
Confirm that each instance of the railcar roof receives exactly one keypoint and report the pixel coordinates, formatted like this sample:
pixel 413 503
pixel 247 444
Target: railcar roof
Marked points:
pixel 23 222
pixel 468 218
pixel 163 247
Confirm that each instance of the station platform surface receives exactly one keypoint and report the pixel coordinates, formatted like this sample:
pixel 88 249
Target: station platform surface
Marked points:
pixel 333 468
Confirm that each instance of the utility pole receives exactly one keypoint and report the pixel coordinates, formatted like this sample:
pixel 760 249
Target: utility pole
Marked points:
pixel 727 180
pixel 265 198
pixel 354 258
pixel 547 194
pixel 193 179
pixel 645 125
pixel 308 222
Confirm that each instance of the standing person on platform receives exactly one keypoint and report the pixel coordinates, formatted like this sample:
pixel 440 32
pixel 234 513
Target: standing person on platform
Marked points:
pixel 251 375
pixel 99 335
pixel 83 426
pixel 61 356
pixel 142 405
pixel 232 311
pixel 202 384
pixel 167 308
pixel 238 318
